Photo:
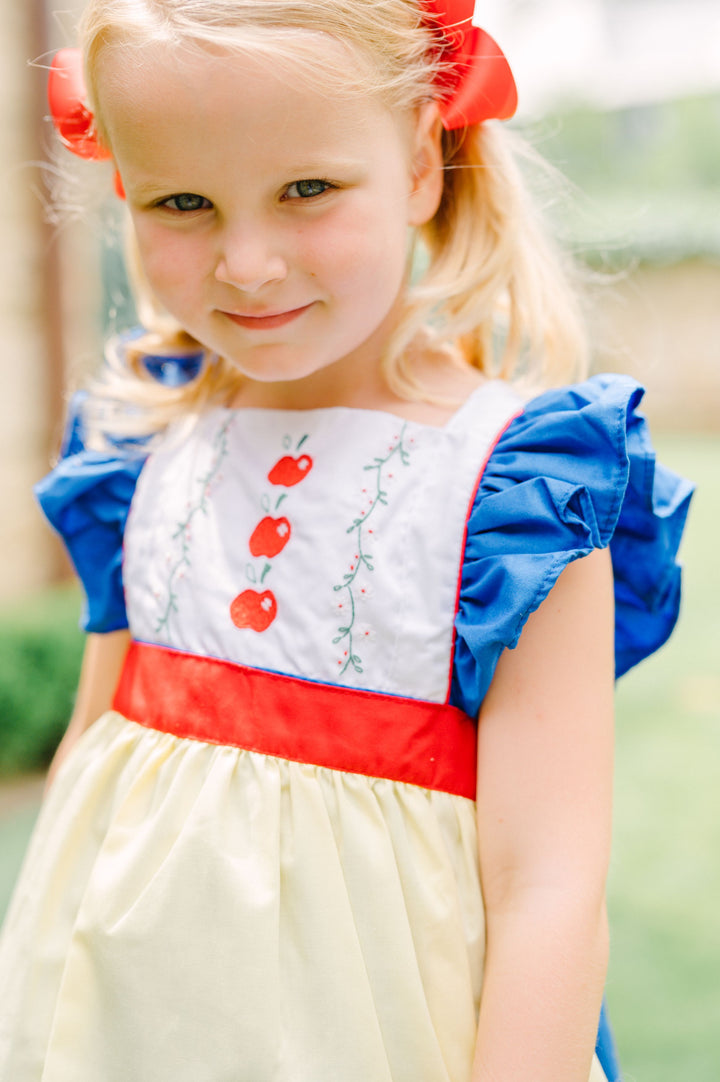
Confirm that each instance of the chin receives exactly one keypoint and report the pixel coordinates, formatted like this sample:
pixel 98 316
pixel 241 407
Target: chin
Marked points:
pixel 268 372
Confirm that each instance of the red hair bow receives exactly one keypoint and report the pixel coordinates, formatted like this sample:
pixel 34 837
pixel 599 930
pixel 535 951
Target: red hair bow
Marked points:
pixel 73 121
pixel 481 86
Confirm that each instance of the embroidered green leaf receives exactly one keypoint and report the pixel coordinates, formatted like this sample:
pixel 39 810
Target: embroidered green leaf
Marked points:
pixel 182 532
pixel 362 559
pixel 251 573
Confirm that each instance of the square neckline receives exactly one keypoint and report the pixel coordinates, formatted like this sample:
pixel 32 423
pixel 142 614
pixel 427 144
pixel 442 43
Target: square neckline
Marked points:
pixel 488 385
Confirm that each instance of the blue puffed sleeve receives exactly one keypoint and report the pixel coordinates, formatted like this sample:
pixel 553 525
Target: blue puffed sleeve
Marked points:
pixel 86 498
pixel 575 471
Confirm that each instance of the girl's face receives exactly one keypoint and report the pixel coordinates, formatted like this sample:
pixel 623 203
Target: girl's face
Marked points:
pixel 272 220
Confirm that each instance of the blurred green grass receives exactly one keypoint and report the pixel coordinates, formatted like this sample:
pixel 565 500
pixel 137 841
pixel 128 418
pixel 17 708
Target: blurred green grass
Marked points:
pixel 664 891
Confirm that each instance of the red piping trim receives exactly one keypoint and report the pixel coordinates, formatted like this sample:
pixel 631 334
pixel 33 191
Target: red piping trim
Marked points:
pixel 471 503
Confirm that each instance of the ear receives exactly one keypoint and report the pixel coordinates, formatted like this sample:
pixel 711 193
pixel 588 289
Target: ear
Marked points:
pixel 426 166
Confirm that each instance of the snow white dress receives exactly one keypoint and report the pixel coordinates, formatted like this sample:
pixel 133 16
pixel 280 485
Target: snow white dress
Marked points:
pixel 261 865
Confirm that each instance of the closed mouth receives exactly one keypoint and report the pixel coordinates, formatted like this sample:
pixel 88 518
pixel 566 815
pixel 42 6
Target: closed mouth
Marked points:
pixel 266 320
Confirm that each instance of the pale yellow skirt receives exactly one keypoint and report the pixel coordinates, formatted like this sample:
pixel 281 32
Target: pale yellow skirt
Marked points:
pixel 190 912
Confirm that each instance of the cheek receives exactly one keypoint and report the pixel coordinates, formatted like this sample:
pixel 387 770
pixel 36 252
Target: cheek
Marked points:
pixel 362 249
pixel 171 263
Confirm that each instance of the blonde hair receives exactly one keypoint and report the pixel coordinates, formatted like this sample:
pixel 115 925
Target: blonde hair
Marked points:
pixel 494 286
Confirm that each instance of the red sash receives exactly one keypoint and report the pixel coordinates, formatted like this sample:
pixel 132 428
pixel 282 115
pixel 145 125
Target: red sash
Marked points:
pixel 432 745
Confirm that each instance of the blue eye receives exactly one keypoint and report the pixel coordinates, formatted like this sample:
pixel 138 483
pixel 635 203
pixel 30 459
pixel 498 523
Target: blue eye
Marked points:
pixel 187 202
pixel 307 189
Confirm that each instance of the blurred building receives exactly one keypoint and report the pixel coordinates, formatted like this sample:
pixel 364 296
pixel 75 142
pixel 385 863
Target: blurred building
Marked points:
pixel 607 54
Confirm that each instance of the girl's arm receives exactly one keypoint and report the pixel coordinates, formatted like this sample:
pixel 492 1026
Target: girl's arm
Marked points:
pixel 544 819
pixel 102 662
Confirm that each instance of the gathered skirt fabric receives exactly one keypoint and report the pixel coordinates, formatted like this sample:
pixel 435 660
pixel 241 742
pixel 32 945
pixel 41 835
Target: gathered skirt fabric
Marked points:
pixel 192 912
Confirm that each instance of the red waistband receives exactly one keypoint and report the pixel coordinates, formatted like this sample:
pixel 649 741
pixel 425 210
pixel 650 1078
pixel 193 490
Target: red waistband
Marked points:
pixel 432 745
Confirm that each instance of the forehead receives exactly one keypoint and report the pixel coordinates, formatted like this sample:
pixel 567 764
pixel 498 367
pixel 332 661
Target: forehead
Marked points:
pixel 160 97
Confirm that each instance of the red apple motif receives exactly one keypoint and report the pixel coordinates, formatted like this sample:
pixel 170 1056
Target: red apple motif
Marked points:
pixel 289 471
pixel 254 610
pixel 270 536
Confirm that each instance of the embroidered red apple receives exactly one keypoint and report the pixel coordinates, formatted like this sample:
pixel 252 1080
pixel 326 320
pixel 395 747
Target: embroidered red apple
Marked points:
pixel 270 537
pixel 254 610
pixel 288 471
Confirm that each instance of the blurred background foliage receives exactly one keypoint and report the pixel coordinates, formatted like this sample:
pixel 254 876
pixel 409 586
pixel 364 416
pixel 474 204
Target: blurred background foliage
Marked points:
pixel 646 179
pixel 40 652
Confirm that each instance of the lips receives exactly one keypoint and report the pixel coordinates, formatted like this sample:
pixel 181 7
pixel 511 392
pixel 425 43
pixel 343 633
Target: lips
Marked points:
pixel 266 320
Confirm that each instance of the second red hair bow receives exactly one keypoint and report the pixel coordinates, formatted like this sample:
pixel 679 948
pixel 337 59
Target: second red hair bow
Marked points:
pixel 480 85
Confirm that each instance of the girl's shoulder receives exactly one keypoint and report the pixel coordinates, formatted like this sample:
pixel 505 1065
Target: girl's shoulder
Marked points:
pixel 86 498
pixel 573 471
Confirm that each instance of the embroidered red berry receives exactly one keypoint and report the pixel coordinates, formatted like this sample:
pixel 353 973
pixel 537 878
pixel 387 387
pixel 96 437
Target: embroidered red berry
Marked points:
pixel 270 536
pixel 254 610
pixel 289 471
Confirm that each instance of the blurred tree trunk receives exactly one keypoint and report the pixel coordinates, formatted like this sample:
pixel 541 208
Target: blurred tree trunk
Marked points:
pixel 44 271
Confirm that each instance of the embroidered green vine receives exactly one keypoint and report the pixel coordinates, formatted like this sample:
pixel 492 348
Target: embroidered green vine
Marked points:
pixel 363 559
pixel 182 531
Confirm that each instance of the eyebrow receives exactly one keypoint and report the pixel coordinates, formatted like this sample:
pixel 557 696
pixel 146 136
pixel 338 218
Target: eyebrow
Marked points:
pixel 320 166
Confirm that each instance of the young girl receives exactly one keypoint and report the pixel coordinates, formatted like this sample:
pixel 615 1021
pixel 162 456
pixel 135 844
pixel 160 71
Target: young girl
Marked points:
pixel 334 803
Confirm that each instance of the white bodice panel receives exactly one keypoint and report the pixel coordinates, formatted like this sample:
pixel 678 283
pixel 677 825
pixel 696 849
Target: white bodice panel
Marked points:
pixel 294 541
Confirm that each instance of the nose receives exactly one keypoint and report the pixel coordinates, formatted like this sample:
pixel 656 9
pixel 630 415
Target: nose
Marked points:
pixel 250 258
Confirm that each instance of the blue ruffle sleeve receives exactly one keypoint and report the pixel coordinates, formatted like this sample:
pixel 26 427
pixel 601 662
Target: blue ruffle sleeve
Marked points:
pixel 574 472
pixel 86 498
